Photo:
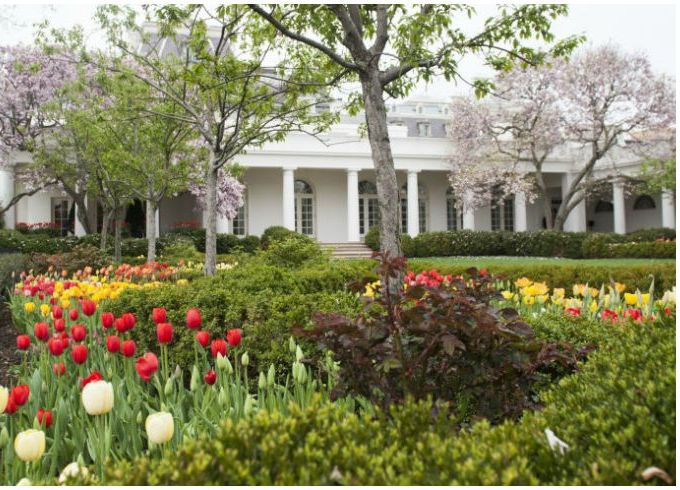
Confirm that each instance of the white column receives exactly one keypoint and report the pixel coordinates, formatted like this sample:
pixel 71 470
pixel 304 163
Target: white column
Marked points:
pixel 576 220
pixel 79 229
pixel 468 213
pixel 619 204
pixel 667 210
pixel 288 204
pixel 6 195
pixel 413 217
pixel 520 211
pixel 352 205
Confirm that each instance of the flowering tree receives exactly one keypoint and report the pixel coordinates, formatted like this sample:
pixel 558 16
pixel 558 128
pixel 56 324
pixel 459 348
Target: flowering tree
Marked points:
pixel 389 48
pixel 229 192
pixel 590 105
pixel 28 82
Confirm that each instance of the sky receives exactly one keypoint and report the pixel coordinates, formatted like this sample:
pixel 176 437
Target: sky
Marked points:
pixel 650 29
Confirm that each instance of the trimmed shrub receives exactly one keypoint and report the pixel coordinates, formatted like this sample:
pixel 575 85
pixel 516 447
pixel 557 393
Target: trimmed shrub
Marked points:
pixel 292 251
pixel 597 244
pixel 249 244
pixel 651 234
pixel 275 234
pixel 617 416
pixel 643 250
pixel 372 238
pixel 78 258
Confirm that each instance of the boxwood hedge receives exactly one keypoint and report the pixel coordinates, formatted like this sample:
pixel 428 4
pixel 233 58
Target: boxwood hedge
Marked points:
pixel 617 416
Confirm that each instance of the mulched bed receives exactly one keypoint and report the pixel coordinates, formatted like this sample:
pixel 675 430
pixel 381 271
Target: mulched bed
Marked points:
pixel 8 344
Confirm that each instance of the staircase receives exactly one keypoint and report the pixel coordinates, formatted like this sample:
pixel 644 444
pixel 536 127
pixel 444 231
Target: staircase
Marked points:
pixel 353 250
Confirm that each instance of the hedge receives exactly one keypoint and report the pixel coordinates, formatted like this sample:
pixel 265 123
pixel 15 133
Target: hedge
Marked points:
pixel 617 415
pixel 643 250
pixel 539 243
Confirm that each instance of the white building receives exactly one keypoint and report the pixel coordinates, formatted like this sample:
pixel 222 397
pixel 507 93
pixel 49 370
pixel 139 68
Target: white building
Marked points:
pixel 326 189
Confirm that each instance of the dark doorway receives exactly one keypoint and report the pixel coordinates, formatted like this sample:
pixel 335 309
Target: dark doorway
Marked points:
pixel 135 219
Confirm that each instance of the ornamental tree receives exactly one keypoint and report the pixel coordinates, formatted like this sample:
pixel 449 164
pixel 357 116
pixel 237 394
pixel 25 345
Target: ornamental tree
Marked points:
pixel 219 75
pixel 389 48
pixel 28 81
pixel 599 101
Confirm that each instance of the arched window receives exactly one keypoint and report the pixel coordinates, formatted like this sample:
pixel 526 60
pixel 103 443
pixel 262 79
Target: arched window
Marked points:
pixel 304 208
pixel 369 210
pixel 454 216
pixel 644 202
pixel 422 208
pixel 604 207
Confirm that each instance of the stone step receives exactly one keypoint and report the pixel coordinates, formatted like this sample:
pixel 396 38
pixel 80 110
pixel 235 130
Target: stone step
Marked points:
pixel 348 250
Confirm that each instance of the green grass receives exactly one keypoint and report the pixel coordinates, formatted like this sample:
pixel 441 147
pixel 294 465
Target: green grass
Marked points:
pixel 525 261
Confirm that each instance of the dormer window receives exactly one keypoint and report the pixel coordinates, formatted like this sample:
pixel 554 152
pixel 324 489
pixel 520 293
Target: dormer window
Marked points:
pixel 424 129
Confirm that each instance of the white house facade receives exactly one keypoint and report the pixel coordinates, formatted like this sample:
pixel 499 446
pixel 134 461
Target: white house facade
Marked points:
pixel 325 187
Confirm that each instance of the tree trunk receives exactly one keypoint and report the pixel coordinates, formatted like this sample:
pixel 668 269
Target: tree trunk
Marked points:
pixel 151 231
pixel 108 214
pixel 547 205
pixel 211 225
pixel 381 151
pixel 120 214
pixel 82 214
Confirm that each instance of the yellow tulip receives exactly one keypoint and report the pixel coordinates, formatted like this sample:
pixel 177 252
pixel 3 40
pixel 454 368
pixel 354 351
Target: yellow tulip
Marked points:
pixel 579 289
pixel 593 306
pixel 529 300
pixel 542 298
pixel 558 293
pixel 29 307
pixel 4 398
pixel 594 292
pixel 619 287
pixel 645 298
pixel 630 298
pixel 45 309
pixel 523 282
pixel 507 295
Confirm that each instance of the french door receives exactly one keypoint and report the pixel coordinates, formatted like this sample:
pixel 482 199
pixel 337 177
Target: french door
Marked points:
pixel 369 213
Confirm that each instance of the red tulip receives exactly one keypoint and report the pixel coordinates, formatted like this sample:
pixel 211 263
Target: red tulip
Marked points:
pixel 234 337
pixel 78 332
pixel 130 321
pixel 573 311
pixel 79 353
pixel 119 323
pixel 11 407
pixel 73 314
pixel 210 377
pixel 107 319
pixel 20 394
pixel 113 343
pixel 147 365
pixel 44 417
pixel 41 331
pixel 194 318
pixel 164 333
pixel 23 341
pixel 633 313
pixel 94 376
pixel 128 348
pixel 59 325
pixel 56 346
pixel 159 315
pixel 608 314
pixel 89 307
pixel 59 368
pixel 218 346
pixel 203 338
pixel 57 312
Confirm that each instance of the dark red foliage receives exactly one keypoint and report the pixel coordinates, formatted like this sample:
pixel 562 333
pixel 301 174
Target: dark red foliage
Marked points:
pixel 442 340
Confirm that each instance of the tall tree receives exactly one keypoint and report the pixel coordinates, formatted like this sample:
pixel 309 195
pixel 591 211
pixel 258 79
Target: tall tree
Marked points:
pixel 588 106
pixel 389 48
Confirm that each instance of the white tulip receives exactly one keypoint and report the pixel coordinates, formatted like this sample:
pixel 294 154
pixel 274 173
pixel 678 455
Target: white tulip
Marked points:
pixel 555 442
pixel 24 482
pixel 4 396
pixel 160 427
pixel 97 397
pixel 29 445
pixel 72 470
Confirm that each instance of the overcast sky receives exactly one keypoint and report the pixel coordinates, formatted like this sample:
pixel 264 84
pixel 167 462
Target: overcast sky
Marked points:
pixel 647 28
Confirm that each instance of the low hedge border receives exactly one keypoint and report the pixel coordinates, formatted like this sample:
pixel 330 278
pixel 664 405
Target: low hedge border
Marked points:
pixel 539 243
pixel 617 417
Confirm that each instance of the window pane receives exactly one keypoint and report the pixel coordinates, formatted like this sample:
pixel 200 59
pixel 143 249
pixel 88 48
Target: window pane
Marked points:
pixel 451 221
pixel 362 217
pixel 373 212
pixel 239 222
pixel 422 216
pixel 509 215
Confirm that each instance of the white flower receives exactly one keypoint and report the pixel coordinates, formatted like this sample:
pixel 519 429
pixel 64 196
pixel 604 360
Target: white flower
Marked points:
pixel 160 427
pixel 72 470
pixel 4 397
pixel 669 296
pixel 556 442
pixel 24 482
pixel 97 397
pixel 29 445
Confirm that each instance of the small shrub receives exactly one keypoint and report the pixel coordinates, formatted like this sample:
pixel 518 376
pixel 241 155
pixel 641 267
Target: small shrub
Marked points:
pixel 372 238
pixel 441 340
pixel 292 251
pixel 78 258
pixel 249 244
pixel 274 234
